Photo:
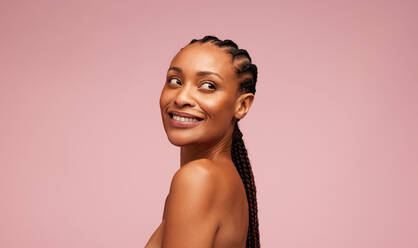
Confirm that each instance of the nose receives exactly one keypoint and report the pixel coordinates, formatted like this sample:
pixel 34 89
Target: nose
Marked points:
pixel 184 96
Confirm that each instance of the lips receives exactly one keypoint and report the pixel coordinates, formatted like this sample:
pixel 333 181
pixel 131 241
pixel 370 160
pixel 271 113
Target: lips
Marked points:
pixel 184 114
pixel 183 120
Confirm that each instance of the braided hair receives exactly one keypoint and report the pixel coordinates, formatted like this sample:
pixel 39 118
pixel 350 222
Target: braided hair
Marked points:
pixel 239 155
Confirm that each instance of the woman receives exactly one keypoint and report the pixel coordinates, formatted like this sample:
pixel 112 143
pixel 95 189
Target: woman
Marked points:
pixel 212 201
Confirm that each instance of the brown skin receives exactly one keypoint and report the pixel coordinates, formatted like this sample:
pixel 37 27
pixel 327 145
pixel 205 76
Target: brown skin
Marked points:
pixel 206 205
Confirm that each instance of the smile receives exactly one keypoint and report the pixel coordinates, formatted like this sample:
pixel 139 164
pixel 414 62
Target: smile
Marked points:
pixel 183 122
pixel 184 119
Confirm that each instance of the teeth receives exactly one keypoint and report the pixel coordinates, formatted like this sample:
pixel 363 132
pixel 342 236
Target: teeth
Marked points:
pixel 184 119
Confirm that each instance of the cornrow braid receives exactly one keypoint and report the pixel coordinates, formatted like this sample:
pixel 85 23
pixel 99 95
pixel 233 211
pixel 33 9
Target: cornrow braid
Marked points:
pixel 238 150
pixel 242 163
pixel 245 65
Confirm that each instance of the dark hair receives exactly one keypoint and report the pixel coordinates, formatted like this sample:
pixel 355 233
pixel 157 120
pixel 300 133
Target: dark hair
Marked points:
pixel 238 151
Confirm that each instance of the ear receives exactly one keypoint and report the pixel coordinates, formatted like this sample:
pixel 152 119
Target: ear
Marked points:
pixel 243 104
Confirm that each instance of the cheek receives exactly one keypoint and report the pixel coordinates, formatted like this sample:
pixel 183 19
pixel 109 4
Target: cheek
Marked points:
pixel 219 108
pixel 164 99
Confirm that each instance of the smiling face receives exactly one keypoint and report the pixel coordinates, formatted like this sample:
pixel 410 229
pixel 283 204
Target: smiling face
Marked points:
pixel 201 81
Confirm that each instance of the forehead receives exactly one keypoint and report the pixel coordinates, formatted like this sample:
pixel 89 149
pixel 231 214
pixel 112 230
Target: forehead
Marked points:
pixel 204 57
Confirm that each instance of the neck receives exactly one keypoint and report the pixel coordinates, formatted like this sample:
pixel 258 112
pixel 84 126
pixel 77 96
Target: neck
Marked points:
pixel 216 151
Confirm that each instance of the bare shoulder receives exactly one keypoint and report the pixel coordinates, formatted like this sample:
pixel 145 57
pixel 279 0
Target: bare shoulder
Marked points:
pixel 216 188
pixel 202 168
pixel 191 206
pixel 198 179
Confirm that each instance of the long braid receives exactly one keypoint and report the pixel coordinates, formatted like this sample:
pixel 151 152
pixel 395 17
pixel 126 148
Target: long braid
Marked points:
pixel 238 150
pixel 243 165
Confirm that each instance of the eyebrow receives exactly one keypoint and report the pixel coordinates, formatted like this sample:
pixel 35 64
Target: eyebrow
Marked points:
pixel 199 73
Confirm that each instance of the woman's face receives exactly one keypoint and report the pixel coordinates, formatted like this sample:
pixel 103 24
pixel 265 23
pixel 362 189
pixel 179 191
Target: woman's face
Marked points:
pixel 201 81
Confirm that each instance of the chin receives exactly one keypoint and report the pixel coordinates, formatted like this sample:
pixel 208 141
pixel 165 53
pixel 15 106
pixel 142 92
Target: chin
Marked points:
pixel 181 139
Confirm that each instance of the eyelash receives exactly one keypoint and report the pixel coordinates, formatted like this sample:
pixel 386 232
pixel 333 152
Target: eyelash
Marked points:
pixel 214 86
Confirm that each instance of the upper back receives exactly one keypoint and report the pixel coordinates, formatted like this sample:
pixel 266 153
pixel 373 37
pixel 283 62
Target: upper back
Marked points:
pixel 232 204
pixel 234 211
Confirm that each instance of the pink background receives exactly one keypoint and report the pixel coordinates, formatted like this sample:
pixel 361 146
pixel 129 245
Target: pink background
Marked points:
pixel 332 135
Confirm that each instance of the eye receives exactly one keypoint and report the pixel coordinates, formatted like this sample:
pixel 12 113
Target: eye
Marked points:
pixel 210 86
pixel 173 80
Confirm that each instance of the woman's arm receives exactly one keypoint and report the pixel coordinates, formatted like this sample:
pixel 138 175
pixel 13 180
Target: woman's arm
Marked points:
pixel 192 217
pixel 156 237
